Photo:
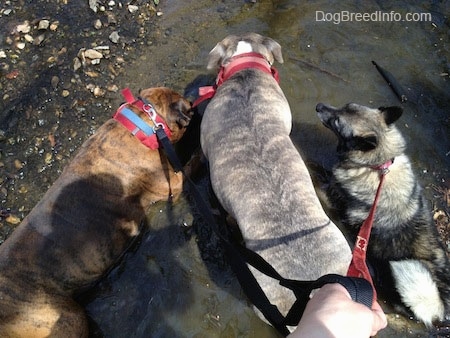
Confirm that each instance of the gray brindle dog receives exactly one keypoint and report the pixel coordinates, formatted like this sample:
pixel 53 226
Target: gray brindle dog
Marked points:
pixel 259 176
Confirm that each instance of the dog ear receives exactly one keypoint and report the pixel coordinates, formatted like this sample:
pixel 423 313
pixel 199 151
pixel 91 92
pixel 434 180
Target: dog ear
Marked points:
pixel 391 114
pixel 275 48
pixel 215 56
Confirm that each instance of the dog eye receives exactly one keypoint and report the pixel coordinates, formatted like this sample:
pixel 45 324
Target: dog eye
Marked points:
pixel 336 123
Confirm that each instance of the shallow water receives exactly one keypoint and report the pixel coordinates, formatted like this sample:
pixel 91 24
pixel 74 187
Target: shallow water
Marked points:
pixel 175 283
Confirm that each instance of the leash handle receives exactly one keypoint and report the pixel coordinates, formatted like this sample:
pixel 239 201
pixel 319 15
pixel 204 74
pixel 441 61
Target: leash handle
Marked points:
pixel 359 289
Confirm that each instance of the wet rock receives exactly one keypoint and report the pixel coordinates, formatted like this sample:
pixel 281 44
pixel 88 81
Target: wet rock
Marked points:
pixel 54 82
pixel 38 39
pixel 89 56
pixel 18 164
pixel 28 38
pixel 12 219
pixel 93 4
pixel 43 24
pixel 112 88
pixel 114 37
pixel 97 24
pixel 24 27
pixel 91 73
pixel 48 158
pixel 98 92
pixel 111 18
pixel 76 64
pixel 133 8
pixel 23 189
pixel 54 26
pixel 93 54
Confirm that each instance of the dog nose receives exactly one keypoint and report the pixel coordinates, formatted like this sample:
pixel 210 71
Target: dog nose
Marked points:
pixel 319 107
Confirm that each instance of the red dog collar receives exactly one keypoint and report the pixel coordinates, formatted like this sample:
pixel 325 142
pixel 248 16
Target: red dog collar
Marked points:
pixel 135 124
pixel 236 64
pixel 383 168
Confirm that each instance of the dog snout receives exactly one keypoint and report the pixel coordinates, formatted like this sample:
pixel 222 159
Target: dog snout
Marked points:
pixel 184 118
pixel 319 107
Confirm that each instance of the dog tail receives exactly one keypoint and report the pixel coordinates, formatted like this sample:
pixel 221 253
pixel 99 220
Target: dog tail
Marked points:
pixel 417 290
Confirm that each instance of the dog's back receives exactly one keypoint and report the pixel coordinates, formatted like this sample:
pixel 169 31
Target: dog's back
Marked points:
pixel 260 178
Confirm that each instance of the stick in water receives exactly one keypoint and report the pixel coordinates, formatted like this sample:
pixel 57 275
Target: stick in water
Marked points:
pixel 392 82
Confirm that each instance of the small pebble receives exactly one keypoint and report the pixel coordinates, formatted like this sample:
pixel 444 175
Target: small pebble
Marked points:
pixel 97 24
pixel 54 26
pixel 93 54
pixel 54 81
pixel 18 165
pixel 24 27
pixel 114 37
pixel 43 24
pixel 11 219
pixel 133 8
pixel 28 38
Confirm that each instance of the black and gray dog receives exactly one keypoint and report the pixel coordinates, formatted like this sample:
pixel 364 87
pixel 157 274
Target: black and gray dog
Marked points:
pixel 404 238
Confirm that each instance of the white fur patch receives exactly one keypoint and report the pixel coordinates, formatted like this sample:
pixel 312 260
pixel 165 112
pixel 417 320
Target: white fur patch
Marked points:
pixel 418 290
pixel 243 47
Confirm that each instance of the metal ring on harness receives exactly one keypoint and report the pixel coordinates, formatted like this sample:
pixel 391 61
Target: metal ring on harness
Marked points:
pixel 151 112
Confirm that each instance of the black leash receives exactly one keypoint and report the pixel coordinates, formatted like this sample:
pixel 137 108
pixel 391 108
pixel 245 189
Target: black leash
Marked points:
pixel 246 279
pixel 239 256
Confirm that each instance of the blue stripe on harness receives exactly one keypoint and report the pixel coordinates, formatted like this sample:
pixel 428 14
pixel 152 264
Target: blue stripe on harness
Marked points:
pixel 137 121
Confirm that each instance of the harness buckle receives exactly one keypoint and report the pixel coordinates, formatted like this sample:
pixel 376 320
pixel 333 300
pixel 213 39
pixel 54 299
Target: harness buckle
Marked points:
pixel 151 112
pixel 384 171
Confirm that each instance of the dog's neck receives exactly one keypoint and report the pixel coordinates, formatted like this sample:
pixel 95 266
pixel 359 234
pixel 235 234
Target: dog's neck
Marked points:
pixel 243 61
pixel 382 168
pixel 145 132
pixel 233 65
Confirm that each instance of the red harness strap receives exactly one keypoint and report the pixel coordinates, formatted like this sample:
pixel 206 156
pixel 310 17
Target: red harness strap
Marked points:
pixel 358 267
pixel 135 124
pixel 237 63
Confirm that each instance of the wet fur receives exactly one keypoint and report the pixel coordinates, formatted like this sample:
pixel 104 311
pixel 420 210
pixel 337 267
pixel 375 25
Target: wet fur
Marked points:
pixel 260 178
pixel 404 233
pixel 83 224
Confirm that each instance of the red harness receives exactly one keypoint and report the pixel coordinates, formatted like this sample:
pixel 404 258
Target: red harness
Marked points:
pixel 236 64
pixel 135 124
pixel 358 267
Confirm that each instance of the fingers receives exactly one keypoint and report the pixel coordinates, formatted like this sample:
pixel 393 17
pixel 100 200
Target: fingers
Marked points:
pixel 379 319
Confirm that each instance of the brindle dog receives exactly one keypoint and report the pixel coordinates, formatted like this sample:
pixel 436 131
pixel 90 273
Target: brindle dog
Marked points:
pixel 84 222
pixel 259 176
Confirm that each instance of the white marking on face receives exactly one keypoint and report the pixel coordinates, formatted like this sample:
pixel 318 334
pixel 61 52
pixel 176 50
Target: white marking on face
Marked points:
pixel 243 47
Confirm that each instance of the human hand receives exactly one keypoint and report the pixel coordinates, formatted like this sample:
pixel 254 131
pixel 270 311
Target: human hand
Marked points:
pixel 332 313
